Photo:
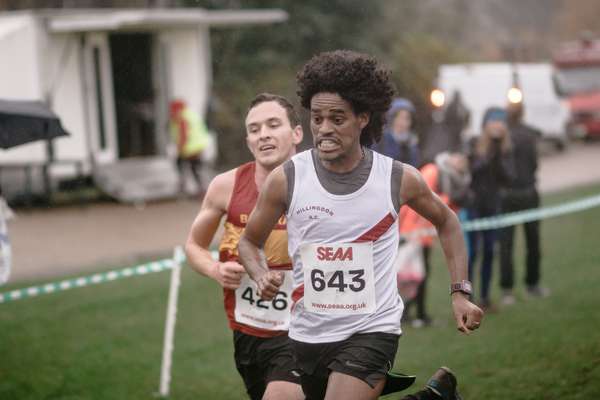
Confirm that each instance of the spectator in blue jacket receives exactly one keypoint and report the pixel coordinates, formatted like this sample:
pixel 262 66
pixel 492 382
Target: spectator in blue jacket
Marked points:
pixel 399 141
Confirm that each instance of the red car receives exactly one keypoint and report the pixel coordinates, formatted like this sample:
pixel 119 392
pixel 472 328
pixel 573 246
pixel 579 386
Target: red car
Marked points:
pixel 577 78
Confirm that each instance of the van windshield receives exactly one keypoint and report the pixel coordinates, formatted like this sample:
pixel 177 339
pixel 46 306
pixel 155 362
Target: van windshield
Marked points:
pixel 578 80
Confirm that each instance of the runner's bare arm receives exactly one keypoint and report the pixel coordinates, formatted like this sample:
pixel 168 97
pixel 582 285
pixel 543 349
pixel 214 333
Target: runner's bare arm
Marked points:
pixel 415 193
pixel 269 208
pixel 214 206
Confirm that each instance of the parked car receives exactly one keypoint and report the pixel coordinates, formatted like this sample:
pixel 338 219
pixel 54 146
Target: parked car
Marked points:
pixel 577 79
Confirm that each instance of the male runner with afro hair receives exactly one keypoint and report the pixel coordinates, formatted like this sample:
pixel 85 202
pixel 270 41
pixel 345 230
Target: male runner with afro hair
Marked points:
pixel 341 201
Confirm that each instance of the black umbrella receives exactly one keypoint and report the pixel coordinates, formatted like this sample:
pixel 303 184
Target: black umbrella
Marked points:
pixel 27 121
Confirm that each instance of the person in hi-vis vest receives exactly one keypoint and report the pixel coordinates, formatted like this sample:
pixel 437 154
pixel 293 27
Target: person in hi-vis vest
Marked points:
pixel 191 137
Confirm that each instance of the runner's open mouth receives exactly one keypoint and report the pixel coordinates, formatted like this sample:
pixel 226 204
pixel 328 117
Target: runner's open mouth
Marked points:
pixel 328 144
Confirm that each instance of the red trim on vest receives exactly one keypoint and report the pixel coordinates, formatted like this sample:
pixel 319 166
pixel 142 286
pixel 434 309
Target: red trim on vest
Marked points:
pixel 281 267
pixel 378 230
pixel 297 294
pixel 224 256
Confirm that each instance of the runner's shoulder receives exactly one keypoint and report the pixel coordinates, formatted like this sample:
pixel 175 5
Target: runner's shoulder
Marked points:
pixel 220 188
pixel 411 174
pixel 413 184
pixel 278 179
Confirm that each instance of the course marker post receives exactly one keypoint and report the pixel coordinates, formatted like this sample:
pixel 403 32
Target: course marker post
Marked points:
pixel 167 355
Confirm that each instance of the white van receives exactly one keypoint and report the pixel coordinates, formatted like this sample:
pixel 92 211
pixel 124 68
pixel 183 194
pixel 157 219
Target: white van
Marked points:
pixel 482 85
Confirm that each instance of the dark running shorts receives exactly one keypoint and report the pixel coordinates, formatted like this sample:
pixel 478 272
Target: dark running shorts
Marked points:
pixel 263 360
pixel 366 356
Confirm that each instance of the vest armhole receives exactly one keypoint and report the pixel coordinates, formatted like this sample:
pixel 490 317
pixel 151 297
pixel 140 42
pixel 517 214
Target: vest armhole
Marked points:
pixel 240 173
pixel 236 178
pixel 396 183
pixel 290 174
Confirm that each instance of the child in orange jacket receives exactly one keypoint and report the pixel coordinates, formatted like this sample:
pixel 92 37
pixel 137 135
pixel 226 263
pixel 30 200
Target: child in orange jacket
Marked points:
pixel 448 176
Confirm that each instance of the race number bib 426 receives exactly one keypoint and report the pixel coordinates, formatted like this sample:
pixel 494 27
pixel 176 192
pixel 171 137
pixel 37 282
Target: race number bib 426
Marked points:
pixel 338 278
pixel 265 314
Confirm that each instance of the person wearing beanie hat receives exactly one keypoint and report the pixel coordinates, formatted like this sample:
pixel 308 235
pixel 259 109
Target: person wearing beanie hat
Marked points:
pixel 492 170
pixel 398 104
pixel 493 114
pixel 398 140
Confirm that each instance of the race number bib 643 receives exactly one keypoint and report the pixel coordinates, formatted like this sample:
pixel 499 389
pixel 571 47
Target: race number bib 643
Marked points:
pixel 265 314
pixel 338 278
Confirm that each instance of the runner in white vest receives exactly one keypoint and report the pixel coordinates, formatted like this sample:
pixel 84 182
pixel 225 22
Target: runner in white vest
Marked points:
pixel 342 202
pixel 343 255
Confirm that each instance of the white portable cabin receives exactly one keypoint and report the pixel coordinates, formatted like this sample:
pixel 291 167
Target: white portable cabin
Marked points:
pixel 109 75
pixel 486 84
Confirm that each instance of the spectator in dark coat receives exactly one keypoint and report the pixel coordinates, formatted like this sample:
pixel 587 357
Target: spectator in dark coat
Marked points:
pixel 492 170
pixel 521 194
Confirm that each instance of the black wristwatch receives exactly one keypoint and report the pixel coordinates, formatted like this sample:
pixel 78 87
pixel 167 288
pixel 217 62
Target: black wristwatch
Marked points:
pixel 463 286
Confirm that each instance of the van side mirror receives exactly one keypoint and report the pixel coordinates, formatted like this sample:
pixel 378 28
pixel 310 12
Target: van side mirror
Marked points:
pixel 556 84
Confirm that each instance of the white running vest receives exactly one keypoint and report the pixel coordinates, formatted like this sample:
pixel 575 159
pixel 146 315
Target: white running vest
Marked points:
pixel 343 249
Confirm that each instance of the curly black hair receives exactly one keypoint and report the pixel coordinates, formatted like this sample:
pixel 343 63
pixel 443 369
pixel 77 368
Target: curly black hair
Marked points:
pixel 357 78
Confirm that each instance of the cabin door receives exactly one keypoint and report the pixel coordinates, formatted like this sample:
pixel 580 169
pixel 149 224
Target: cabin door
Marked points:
pixel 100 98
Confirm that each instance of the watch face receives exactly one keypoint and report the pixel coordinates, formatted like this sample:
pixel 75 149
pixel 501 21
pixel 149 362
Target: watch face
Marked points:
pixel 464 286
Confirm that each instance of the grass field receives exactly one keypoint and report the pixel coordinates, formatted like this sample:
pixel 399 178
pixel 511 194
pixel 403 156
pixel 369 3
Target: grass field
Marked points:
pixel 104 342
